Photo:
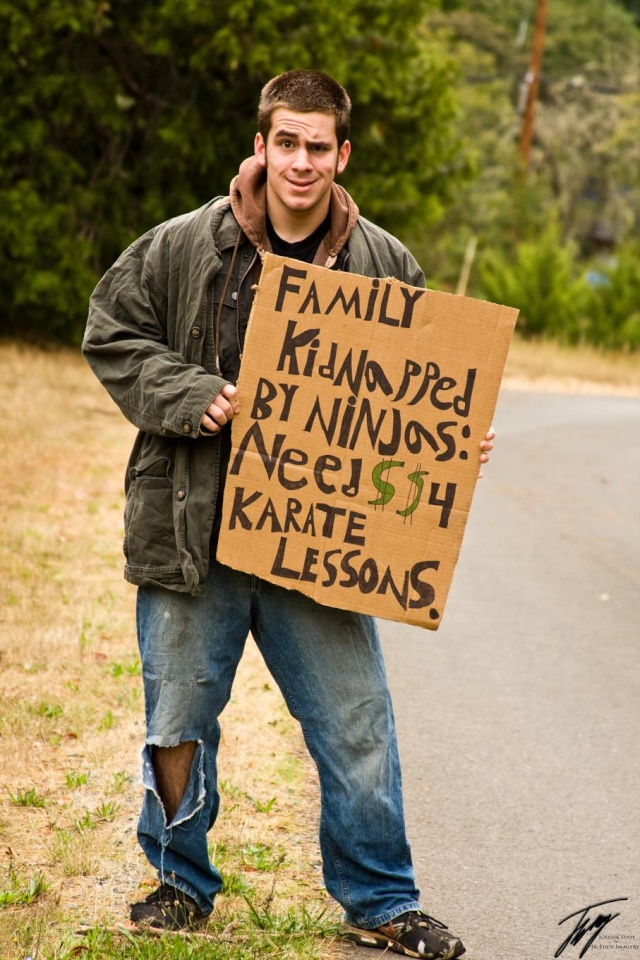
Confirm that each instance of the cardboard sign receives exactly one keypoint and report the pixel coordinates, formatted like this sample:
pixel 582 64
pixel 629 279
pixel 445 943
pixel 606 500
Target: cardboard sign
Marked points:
pixel 356 451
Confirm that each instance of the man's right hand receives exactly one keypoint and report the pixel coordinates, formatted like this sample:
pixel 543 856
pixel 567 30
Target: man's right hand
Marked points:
pixel 221 410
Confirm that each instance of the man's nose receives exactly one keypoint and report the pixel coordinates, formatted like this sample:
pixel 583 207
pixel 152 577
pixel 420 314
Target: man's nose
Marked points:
pixel 301 160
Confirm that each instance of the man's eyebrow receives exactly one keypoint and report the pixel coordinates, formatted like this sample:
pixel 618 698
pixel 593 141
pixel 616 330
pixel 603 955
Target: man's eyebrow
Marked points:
pixel 296 136
pixel 283 132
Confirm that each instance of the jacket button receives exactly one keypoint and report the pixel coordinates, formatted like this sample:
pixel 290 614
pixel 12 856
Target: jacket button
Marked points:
pixel 187 426
pixel 196 332
pixel 181 494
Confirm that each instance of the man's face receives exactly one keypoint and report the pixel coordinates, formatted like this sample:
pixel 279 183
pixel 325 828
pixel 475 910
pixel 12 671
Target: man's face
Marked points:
pixel 302 158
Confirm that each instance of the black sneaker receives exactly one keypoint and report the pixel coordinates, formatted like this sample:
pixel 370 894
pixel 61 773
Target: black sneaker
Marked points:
pixel 167 908
pixel 413 934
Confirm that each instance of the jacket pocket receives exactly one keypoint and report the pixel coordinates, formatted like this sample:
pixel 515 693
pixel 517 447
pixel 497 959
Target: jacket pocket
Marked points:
pixel 150 540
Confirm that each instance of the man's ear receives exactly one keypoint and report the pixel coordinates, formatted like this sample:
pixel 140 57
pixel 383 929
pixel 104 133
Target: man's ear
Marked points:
pixel 343 156
pixel 260 150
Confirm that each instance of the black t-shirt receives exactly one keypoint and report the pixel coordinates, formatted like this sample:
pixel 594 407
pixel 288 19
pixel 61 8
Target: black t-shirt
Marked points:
pixel 304 250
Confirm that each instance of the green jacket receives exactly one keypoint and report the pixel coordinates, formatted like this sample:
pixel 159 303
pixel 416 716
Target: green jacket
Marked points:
pixel 150 341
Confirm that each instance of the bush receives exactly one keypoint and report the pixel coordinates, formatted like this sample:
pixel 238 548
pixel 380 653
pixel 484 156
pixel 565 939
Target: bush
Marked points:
pixel 613 309
pixel 542 281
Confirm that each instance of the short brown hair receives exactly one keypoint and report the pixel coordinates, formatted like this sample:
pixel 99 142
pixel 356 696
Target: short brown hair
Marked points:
pixel 305 91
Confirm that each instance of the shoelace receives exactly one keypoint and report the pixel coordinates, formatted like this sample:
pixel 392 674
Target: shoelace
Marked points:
pixel 423 919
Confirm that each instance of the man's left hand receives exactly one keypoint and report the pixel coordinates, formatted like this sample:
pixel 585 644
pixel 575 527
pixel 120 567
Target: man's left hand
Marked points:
pixel 486 446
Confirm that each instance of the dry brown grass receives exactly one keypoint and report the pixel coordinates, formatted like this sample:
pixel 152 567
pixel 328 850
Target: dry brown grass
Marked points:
pixel 71 706
pixel 548 366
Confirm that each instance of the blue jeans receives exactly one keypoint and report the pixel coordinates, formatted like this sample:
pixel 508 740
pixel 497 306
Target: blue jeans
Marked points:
pixel 329 667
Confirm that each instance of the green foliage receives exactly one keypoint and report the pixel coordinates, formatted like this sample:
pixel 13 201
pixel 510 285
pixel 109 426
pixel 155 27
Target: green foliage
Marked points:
pixel 261 857
pixel 292 921
pixel 86 822
pixel 541 282
pixel 633 6
pixel 613 310
pixel 106 812
pixel 594 38
pixel 235 885
pixel 260 931
pixel 116 116
pixel 20 893
pixel 107 721
pixel 237 793
pixel 120 779
pixel 133 668
pixel 27 798
pixel 48 710
pixel 583 175
pixel 75 780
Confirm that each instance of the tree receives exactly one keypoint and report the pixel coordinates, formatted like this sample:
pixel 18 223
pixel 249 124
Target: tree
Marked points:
pixel 117 115
pixel 586 152
pixel 633 6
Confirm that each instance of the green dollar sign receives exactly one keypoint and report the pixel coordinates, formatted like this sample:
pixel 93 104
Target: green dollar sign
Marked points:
pixel 416 478
pixel 384 488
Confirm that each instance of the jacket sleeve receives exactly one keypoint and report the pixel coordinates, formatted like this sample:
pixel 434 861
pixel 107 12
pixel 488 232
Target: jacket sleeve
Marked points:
pixel 128 345
pixel 376 253
pixel 415 273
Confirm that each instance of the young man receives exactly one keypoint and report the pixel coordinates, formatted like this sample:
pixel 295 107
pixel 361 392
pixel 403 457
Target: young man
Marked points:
pixel 165 336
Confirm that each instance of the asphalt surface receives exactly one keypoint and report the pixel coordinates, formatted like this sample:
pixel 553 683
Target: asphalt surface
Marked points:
pixel 519 719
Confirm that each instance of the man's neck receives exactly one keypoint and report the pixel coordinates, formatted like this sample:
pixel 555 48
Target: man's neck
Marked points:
pixel 294 225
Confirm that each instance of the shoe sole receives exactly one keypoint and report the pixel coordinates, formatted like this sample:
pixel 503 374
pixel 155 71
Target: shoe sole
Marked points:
pixel 371 938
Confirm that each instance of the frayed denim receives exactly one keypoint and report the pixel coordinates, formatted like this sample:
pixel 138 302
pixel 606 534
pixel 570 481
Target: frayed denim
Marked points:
pixel 329 667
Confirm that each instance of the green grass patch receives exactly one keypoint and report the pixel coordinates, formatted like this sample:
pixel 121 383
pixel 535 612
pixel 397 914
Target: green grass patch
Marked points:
pixel 48 710
pixel 75 780
pixel 107 721
pixel 236 885
pixel 19 893
pixel 27 798
pixel 106 811
pixel 73 852
pixel 290 770
pixel 131 669
pixel 120 780
pixel 289 934
pixel 261 857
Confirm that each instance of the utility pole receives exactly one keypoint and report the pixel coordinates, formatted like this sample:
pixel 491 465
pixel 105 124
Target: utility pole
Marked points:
pixel 532 81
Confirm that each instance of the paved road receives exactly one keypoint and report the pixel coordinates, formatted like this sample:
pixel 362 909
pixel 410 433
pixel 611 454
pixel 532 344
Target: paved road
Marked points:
pixel 519 719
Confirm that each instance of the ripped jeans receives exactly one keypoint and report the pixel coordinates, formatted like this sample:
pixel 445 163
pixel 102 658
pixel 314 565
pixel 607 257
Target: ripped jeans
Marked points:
pixel 329 667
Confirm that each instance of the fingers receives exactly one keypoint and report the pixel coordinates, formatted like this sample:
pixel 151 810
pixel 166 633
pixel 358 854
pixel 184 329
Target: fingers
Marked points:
pixel 222 409
pixel 231 394
pixel 486 446
pixel 487 443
